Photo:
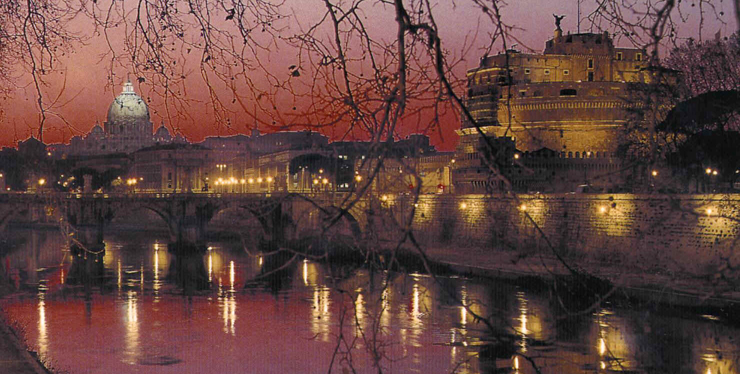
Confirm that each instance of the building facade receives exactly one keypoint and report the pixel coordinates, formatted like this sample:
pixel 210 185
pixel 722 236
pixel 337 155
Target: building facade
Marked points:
pixel 566 107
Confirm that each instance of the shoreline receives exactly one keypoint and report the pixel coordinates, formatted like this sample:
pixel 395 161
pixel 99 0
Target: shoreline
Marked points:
pixel 15 357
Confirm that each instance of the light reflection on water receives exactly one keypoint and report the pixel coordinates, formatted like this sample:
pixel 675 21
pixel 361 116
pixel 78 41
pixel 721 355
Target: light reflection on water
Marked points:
pixel 141 322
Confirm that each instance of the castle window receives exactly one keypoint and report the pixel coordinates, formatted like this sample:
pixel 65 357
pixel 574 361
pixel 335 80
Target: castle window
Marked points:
pixel 638 57
pixel 590 76
pixel 547 71
pixel 590 63
pixel 619 56
pixel 527 71
pixel 569 40
pixel 566 72
pixel 537 93
pixel 598 40
pixel 568 92
pixel 522 93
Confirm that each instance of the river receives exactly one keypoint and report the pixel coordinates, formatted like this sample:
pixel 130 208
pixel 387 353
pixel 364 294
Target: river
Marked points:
pixel 146 311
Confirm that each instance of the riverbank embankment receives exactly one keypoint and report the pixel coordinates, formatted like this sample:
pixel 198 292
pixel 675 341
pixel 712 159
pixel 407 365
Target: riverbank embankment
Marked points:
pixel 667 288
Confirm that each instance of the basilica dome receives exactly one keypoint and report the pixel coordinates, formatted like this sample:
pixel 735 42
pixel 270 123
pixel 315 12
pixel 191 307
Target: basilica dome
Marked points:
pixel 128 107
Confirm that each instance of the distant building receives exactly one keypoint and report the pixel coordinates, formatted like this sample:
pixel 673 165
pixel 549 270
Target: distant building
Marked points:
pixel 172 167
pixel 286 140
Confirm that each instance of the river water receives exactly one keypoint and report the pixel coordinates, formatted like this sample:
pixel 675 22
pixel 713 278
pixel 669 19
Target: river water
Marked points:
pixel 144 314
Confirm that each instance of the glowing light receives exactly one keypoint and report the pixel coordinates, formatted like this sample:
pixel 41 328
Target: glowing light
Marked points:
pixel 602 209
pixel 463 205
pixel 357 177
pixel 259 180
pixel 269 179
pixel 602 346
pixel 321 171
pixel 315 181
pixel 709 171
pixel 242 181
pixel 324 181
pixel 655 173
pixel 523 207
pixel 516 362
pixel 714 172
pixel 42 181
pixel 250 180
pixel 384 198
pixel 516 156
pixel 709 211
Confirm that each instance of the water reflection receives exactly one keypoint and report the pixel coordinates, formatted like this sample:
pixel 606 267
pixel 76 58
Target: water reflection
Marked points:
pixel 132 351
pixel 278 325
pixel 43 340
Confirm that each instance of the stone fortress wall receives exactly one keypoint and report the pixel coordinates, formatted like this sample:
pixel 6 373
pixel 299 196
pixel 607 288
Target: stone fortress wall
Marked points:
pixel 682 234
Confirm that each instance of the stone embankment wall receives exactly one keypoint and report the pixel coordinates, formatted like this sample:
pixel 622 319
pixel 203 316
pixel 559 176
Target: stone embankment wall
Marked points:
pixel 688 234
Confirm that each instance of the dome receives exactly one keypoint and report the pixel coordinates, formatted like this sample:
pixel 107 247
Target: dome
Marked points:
pixel 128 106
pixel 162 132
pixel 96 130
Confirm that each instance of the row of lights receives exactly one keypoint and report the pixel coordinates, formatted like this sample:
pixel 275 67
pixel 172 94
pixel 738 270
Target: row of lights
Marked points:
pixel 232 180
pixel 523 207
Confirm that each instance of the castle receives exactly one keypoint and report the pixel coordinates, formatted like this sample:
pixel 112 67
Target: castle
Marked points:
pixel 555 117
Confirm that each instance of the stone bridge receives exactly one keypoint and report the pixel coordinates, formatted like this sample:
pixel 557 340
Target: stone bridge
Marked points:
pixel 85 216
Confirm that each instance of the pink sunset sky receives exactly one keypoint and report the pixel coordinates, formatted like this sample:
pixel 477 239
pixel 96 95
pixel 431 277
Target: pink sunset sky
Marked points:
pixel 81 93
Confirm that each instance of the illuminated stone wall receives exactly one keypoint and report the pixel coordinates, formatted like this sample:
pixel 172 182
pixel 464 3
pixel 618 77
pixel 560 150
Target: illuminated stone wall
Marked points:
pixel 683 234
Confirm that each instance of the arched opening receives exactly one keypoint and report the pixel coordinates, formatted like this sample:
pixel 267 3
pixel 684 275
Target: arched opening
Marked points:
pixel 568 92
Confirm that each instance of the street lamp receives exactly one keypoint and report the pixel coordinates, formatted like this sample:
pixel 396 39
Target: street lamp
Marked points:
pixel 131 182
pixel 269 180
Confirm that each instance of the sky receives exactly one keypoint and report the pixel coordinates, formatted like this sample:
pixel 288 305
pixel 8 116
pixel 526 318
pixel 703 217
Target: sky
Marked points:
pixel 81 93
